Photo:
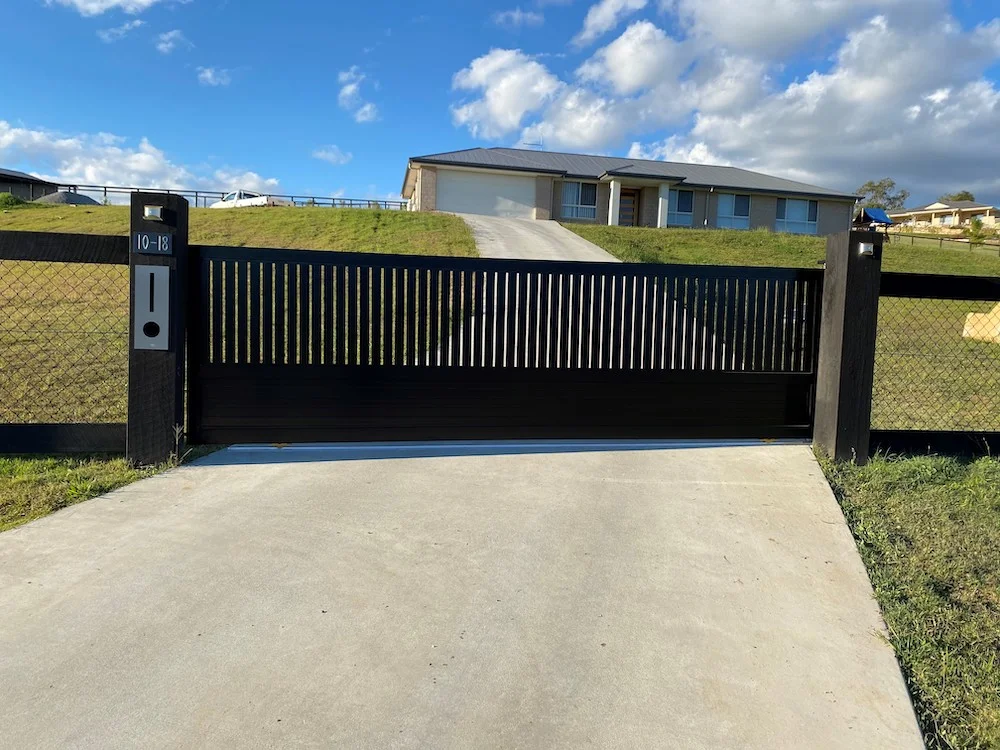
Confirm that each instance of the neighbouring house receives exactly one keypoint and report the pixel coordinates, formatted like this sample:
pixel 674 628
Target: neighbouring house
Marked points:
pixel 25 186
pixel 620 191
pixel 952 214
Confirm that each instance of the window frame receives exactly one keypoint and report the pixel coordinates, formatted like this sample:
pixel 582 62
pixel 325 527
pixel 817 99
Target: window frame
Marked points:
pixel 733 220
pixel 675 217
pixel 577 210
pixel 782 223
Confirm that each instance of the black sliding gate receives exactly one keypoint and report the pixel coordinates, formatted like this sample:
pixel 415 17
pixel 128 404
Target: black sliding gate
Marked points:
pixel 301 346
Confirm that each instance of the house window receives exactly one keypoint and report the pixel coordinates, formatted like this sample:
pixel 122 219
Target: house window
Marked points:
pixel 797 217
pixel 680 208
pixel 948 220
pixel 579 200
pixel 734 211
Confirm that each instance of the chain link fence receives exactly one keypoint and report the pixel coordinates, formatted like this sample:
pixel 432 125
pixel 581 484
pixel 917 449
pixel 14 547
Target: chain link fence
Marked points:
pixel 937 365
pixel 63 342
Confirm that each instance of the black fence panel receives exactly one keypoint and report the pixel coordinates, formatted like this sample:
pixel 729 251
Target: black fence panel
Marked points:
pixel 403 347
pixel 63 342
pixel 937 356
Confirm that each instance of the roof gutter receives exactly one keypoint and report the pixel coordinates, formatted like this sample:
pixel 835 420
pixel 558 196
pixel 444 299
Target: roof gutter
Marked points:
pixel 445 163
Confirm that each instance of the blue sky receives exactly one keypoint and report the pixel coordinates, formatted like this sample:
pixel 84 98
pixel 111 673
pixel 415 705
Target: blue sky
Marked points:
pixel 329 98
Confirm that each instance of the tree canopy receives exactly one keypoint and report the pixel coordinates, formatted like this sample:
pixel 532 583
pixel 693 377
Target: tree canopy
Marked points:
pixel 883 194
pixel 961 195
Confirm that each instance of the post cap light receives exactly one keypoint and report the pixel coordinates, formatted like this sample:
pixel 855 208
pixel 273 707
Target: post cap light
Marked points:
pixel 866 248
pixel 152 213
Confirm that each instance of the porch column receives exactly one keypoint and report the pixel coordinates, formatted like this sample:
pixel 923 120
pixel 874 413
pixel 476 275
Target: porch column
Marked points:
pixel 663 206
pixel 615 203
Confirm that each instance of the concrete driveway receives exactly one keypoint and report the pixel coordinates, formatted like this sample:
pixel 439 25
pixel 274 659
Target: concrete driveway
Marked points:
pixel 532 240
pixel 362 598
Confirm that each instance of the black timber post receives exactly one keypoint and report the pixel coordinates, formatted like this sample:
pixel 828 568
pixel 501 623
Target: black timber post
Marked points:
pixel 158 265
pixel 847 345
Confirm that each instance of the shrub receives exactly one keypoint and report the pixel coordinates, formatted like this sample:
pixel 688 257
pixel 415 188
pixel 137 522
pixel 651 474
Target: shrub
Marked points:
pixel 9 201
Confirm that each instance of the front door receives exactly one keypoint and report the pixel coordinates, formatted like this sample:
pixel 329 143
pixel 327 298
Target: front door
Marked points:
pixel 628 209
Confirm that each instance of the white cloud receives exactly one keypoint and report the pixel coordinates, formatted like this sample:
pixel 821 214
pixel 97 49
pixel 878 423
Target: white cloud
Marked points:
pixel 511 84
pixel 168 41
pixel 214 77
pixel 367 112
pixel 673 149
pixel 332 155
pixel 775 27
pixel 515 18
pixel 899 96
pixel 605 15
pixel 349 97
pixel 638 59
pixel 118 32
pixel 96 7
pixel 886 107
pixel 106 159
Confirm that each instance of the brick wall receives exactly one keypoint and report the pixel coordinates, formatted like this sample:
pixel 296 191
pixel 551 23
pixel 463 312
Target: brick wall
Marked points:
pixel 428 188
pixel 543 197
pixel 648 206
pixel 834 216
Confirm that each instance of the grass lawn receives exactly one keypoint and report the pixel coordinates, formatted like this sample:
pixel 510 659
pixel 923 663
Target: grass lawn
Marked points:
pixel 928 530
pixel 347 229
pixel 727 247
pixel 32 487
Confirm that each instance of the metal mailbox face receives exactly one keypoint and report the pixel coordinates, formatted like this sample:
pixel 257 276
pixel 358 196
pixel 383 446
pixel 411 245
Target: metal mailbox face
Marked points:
pixel 152 308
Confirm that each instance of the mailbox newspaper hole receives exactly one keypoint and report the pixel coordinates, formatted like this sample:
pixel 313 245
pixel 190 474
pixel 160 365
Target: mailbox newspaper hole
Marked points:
pixel 151 329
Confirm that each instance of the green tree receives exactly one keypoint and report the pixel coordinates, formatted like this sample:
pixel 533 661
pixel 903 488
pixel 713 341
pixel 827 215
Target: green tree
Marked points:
pixel 976 232
pixel 961 195
pixel 883 194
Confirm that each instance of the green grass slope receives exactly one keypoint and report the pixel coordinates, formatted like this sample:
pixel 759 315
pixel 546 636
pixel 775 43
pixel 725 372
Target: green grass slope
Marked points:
pixel 343 229
pixel 727 247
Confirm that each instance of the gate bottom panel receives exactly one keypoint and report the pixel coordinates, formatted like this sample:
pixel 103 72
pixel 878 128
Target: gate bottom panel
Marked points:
pixel 309 403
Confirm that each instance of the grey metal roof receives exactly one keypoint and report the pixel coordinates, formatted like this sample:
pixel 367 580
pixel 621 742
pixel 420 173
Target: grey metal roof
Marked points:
pixel 949 204
pixel 594 167
pixel 23 177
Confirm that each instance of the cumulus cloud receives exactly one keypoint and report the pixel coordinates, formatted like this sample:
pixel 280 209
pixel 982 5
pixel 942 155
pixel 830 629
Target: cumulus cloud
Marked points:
pixel 899 96
pixel 511 85
pixel 97 7
pixel 513 19
pixel 349 97
pixel 118 32
pixel 107 159
pixel 604 16
pixel 775 27
pixel 168 41
pixel 332 155
pixel 636 60
pixel 214 77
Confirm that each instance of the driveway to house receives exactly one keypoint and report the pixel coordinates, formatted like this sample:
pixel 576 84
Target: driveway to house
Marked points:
pixel 455 597
pixel 531 240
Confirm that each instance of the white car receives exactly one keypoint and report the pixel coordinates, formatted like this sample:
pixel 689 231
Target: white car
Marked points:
pixel 245 199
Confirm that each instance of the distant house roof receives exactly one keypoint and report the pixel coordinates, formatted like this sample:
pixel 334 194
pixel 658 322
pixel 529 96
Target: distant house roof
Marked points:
pixel 10 174
pixel 589 167
pixel 943 206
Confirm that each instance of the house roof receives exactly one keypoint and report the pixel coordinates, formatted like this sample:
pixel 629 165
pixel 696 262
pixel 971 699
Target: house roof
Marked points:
pixel 941 206
pixel 586 166
pixel 11 174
